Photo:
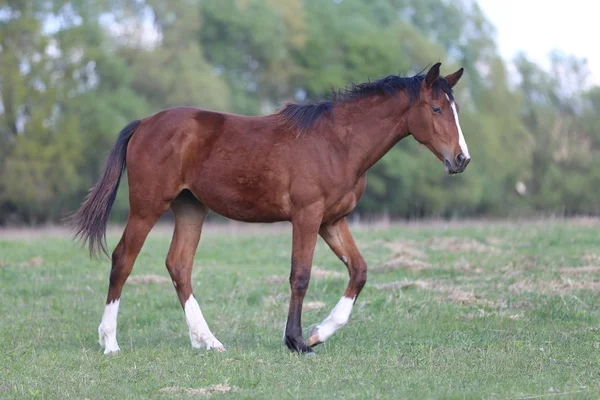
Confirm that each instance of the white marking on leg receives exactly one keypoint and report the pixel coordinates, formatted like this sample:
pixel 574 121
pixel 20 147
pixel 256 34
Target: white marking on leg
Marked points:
pixel 336 319
pixel 107 331
pixel 200 335
pixel 461 138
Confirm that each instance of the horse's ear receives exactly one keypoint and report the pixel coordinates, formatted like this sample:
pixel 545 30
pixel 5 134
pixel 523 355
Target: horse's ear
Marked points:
pixel 432 75
pixel 455 77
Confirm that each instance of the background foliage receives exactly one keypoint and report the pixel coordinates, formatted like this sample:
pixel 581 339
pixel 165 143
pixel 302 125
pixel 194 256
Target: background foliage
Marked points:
pixel 73 73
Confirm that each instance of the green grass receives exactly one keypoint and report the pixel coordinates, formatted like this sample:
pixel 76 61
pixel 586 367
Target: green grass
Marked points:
pixel 475 310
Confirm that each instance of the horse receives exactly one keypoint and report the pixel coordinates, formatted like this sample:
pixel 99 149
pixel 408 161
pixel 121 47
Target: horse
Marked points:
pixel 305 164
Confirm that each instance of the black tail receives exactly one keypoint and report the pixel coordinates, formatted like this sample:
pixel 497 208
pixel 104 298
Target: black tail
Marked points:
pixel 89 222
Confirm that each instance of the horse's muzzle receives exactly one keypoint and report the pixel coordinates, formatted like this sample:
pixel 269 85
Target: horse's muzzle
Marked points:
pixel 458 165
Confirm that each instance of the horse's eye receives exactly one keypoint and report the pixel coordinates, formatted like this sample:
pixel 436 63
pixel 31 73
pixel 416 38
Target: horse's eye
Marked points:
pixel 436 109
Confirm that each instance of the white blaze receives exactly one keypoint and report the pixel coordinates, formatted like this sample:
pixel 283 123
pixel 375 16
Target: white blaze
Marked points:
pixel 107 331
pixel 461 138
pixel 200 334
pixel 336 319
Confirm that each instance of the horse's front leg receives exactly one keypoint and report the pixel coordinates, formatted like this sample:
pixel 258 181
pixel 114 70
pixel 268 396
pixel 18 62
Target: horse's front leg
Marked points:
pixel 305 225
pixel 338 237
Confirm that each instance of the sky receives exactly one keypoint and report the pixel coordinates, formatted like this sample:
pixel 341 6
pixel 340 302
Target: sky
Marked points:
pixel 539 26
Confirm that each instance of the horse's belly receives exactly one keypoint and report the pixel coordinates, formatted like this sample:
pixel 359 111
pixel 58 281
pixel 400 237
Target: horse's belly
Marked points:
pixel 248 211
pixel 247 204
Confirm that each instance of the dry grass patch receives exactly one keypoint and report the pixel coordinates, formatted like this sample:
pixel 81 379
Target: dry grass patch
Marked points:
pixel 36 261
pixel 320 273
pixel 404 247
pixel 405 284
pixel 406 254
pixel 591 269
pixel 32 262
pixel 591 258
pixel 481 313
pixel 554 286
pixel 282 299
pixel 447 291
pixel 462 297
pixel 148 279
pixel 316 273
pixel 410 255
pixel 276 279
pixel 467 267
pixel 495 240
pixel 201 391
pixel 313 305
pixel 278 299
pixel 402 262
pixel 458 244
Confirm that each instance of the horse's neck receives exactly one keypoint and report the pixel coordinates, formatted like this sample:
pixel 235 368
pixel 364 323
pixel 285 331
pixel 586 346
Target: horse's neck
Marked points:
pixel 369 128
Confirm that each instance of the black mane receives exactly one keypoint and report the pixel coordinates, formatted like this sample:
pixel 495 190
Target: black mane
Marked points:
pixel 304 116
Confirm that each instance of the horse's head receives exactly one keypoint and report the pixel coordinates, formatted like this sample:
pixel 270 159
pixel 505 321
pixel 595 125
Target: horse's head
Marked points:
pixel 433 120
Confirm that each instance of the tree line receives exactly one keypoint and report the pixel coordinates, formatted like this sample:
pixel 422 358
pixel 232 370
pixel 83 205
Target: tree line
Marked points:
pixel 73 73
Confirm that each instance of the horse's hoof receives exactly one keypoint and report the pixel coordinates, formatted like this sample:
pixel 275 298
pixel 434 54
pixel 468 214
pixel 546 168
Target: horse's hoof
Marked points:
pixel 304 350
pixel 314 340
pixel 220 349
pixel 297 345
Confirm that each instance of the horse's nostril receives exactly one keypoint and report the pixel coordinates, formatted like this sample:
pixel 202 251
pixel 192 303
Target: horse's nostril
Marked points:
pixel 460 159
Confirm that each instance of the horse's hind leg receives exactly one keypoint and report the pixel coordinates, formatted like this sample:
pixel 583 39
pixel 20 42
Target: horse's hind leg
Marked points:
pixel 340 240
pixel 123 257
pixel 189 217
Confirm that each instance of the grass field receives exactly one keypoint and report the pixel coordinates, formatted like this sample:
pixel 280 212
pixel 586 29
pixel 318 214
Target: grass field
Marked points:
pixel 474 310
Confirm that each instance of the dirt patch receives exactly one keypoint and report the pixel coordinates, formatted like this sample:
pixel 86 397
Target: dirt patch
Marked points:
pixel 202 391
pixel 403 262
pixel 313 305
pixel 148 279
pixel 580 270
pixel 458 244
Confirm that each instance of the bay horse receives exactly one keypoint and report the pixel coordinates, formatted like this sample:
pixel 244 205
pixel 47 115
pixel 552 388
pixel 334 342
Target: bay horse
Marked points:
pixel 306 164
